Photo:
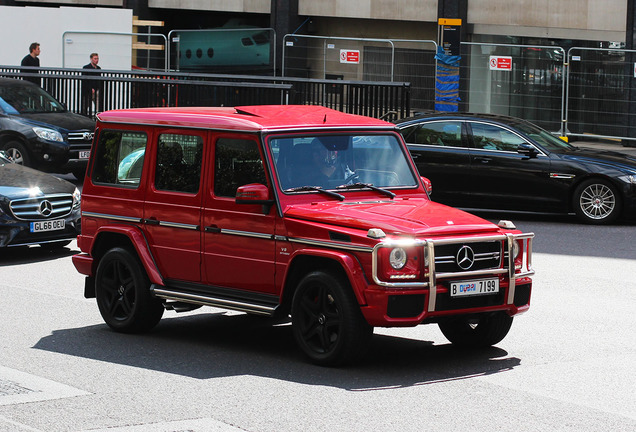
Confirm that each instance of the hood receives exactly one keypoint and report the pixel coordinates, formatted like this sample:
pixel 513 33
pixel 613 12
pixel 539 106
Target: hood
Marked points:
pixel 64 120
pixel 17 181
pixel 405 216
pixel 607 158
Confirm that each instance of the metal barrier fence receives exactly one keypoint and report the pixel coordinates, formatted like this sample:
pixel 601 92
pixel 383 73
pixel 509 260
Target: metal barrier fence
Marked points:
pixel 525 81
pixel 364 59
pixel 601 93
pixel 118 90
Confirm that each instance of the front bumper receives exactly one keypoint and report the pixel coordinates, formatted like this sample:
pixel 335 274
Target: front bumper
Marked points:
pixel 18 233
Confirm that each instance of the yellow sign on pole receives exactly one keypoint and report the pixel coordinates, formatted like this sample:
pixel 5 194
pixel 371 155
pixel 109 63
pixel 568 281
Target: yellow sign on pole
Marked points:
pixel 449 21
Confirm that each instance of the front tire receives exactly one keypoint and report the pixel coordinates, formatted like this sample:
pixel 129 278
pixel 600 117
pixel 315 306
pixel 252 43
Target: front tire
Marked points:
pixel 597 201
pixel 477 332
pixel 326 320
pixel 122 290
pixel 17 153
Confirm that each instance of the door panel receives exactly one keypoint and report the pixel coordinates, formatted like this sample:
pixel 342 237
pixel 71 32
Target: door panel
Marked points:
pixel 440 152
pixel 173 205
pixel 238 245
pixel 502 178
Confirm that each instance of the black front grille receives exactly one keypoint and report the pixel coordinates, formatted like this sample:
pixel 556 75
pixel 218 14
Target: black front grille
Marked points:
pixel 41 208
pixel 81 140
pixel 487 255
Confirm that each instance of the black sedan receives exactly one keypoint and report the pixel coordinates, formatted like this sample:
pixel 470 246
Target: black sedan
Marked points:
pixel 492 162
pixel 36 208
pixel 36 130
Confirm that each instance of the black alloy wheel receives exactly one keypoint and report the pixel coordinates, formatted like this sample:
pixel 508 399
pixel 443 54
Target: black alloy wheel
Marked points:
pixel 326 320
pixel 123 293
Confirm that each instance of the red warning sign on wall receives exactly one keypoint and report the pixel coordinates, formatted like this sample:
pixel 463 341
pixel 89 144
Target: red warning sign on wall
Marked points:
pixel 349 56
pixel 500 63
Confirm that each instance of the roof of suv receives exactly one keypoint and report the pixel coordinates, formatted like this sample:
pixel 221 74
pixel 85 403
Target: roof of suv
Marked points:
pixel 245 118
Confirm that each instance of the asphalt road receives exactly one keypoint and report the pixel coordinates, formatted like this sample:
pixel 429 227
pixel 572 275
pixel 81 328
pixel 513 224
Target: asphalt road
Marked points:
pixel 566 365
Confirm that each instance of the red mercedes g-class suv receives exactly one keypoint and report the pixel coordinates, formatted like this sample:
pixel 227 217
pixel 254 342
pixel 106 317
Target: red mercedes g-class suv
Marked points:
pixel 288 210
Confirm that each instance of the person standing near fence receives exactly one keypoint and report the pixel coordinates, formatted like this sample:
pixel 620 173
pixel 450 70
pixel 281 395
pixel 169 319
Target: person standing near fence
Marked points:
pixel 32 60
pixel 92 89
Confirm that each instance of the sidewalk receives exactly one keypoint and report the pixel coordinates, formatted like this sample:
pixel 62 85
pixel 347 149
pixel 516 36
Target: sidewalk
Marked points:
pixel 606 145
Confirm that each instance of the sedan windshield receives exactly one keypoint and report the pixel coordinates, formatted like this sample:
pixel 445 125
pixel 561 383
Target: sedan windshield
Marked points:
pixel 544 138
pixel 24 99
pixel 334 161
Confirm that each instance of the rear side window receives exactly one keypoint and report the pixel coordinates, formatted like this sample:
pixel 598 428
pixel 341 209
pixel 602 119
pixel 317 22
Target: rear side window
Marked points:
pixel 119 157
pixel 237 162
pixel 445 134
pixel 492 137
pixel 179 163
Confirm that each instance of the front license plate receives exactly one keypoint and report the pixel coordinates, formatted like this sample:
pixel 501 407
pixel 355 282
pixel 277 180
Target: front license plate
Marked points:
pixel 52 225
pixel 474 287
pixel 84 154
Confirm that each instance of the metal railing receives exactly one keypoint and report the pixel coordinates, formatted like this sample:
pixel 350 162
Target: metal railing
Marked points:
pixel 133 89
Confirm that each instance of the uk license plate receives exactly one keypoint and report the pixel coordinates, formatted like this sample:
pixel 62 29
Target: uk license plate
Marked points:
pixel 85 154
pixel 474 287
pixel 52 225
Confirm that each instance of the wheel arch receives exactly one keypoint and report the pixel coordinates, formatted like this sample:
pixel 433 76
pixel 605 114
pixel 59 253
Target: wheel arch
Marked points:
pixel 305 261
pixel 128 237
pixel 591 176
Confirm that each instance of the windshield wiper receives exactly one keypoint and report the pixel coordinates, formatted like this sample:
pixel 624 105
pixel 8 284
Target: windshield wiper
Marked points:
pixel 317 189
pixel 367 185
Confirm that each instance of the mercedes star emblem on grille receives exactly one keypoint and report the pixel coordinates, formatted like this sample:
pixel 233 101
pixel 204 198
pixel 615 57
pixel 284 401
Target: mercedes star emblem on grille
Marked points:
pixel 46 208
pixel 465 257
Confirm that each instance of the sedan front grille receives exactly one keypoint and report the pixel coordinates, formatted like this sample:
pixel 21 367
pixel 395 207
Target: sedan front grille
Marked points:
pixel 45 207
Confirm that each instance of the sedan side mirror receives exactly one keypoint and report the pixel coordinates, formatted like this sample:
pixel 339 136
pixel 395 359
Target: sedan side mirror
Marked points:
pixel 427 185
pixel 527 150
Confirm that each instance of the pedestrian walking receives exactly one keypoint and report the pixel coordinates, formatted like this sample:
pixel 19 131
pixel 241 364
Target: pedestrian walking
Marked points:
pixel 92 89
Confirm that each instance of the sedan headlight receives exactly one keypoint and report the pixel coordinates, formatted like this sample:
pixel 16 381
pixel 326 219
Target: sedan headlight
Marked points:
pixel 77 198
pixel 630 178
pixel 48 134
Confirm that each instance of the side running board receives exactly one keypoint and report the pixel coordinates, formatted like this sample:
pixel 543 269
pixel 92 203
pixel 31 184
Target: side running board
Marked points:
pixel 205 299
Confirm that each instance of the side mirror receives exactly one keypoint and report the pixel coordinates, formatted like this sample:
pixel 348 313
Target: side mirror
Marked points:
pixel 427 185
pixel 254 193
pixel 527 150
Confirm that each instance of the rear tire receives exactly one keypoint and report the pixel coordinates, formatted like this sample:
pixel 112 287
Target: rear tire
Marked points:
pixel 326 320
pixel 123 294
pixel 477 332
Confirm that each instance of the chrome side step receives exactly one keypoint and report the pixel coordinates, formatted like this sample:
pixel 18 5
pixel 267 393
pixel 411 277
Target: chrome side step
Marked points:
pixel 210 300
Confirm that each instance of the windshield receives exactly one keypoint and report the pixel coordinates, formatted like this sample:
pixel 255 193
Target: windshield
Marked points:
pixel 24 99
pixel 330 161
pixel 544 138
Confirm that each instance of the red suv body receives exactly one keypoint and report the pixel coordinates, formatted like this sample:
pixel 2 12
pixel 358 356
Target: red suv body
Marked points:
pixel 288 210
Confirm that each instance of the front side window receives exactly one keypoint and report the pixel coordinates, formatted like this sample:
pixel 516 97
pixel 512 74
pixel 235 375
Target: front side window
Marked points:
pixel 179 163
pixel 119 157
pixel 329 161
pixel 237 162
pixel 492 137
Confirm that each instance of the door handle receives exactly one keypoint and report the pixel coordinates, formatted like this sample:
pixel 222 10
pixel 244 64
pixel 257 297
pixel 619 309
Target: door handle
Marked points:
pixel 483 160
pixel 212 229
pixel 151 221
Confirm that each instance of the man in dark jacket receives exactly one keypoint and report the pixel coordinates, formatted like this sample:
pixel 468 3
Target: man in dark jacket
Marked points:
pixel 32 60
pixel 92 89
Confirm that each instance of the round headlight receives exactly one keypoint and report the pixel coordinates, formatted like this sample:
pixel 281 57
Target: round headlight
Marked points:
pixel 398 258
